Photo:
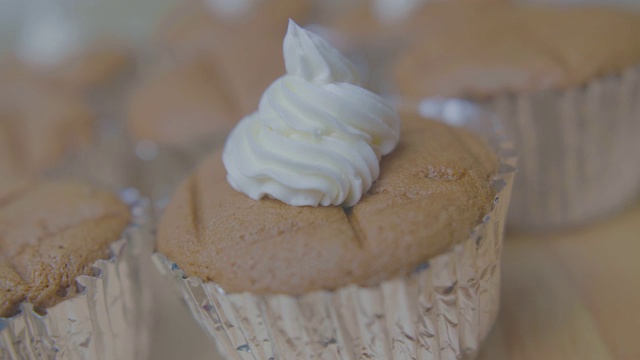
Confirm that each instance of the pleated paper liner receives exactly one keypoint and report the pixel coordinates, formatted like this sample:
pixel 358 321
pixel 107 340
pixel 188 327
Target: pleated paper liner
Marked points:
pixel 108 319
pixel 578 151
pixel 443 310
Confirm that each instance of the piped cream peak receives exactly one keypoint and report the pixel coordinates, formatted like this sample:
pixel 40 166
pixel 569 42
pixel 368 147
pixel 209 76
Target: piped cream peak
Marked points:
pixel 310 57
pixel 317 137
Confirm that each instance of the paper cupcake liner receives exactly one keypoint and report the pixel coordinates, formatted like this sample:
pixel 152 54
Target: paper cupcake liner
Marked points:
pixel 578 150
pixel 107 320
pixel 443 310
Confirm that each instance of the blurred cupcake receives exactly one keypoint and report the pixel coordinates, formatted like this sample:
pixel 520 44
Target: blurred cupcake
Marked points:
pixel 52 45
pixel 40 125
pixel 371 20
pixel 174 116
pixel 329 253
pixel 70 285
pixel 198 23
pixel 565 82
pixel 238 37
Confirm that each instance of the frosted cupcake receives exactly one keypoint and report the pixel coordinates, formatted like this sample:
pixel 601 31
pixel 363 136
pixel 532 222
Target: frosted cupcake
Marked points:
pixel 568 94
pixel 294 240
pixel 70 284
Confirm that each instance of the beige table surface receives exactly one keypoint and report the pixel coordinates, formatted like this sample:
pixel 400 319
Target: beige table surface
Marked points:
pixel 565 296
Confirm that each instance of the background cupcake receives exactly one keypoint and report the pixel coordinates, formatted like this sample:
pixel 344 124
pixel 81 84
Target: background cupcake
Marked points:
pixel 175 115
pixel 40 126
pixel 74 55
pixel 568 94
pixel 70 282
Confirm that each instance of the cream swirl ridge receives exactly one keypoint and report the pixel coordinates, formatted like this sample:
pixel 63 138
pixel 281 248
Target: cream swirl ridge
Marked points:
pixel 317 137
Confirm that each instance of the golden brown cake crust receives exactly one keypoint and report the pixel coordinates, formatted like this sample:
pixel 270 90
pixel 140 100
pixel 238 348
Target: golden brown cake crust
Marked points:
pixel 51 233
pixel 478 50
pixel 186 102
pixel 432 190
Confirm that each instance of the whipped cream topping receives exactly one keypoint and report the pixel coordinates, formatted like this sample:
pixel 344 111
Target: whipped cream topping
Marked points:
pixel 317 137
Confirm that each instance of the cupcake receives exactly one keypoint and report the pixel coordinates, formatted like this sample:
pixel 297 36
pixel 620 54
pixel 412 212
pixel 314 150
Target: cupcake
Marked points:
pixel 64 116
pixel 237 36
pixel 70 285
pixel 194 23
pixel 52 45
pixel 371 20
pixel 52 131
pixel 40 125
pixel 295 241
pixel 85 69
pixel 567 91
pixel 173 116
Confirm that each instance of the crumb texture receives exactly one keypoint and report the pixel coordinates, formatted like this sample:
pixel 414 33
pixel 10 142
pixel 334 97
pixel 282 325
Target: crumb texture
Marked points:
pixel 51 233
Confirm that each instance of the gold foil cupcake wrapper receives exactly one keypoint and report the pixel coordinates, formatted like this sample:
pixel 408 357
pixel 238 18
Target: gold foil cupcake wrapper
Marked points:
pixel 578 150
pixel 106 321
pixel 443 310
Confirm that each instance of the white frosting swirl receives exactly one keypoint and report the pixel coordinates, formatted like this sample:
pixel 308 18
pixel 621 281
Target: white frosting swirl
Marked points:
pixel 317 137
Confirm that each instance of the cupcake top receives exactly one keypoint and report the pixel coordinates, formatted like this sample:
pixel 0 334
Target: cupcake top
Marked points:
pixel 315 142
pixel 51 233
pixel 183 103
pixel 478 50
pixel 40 124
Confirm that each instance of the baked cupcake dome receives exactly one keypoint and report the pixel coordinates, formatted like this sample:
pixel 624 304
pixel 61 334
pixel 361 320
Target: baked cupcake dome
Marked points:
pixel 51 234
pixel 483 50
pixel 433 189
pixel 71 273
